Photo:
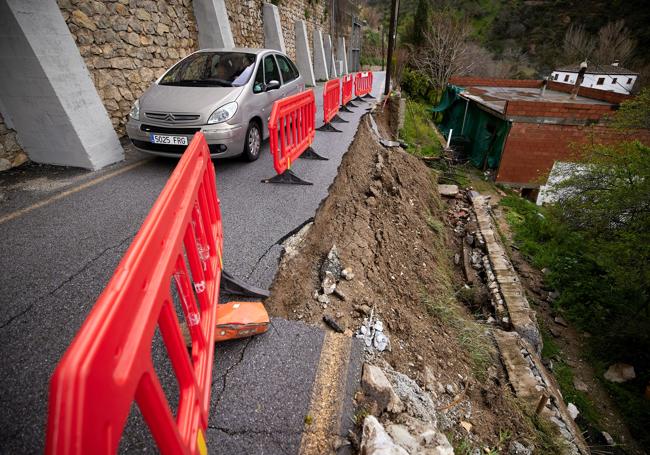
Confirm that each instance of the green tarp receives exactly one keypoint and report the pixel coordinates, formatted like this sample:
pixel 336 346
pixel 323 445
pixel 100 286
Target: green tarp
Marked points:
pixel 482 134
pixel 448 98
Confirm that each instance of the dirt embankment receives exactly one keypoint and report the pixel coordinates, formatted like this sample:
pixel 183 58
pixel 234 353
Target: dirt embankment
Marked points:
pixel 385 217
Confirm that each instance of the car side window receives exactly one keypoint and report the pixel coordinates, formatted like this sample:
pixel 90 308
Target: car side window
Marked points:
pixel 294 69
pixel 285 69
pixel 271 72
pixel 258 85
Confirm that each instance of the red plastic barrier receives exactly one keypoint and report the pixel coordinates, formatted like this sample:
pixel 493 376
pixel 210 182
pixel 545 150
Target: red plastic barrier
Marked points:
pixel 291 128
pixel 109 363
pixel 363 83
pixel 331 99
pixel 348 82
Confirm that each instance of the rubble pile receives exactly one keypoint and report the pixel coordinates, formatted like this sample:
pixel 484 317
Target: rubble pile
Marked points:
pixel 402 417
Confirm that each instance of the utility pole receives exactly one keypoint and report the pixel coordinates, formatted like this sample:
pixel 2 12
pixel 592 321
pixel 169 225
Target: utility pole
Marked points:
pixel 382 47
pixel 391 44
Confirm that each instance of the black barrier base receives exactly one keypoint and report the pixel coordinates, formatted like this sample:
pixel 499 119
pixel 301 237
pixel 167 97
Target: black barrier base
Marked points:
pixel 351 104
pixel 330 128
pixel 345 109
pixel 358 98
pixel 235 286
pixel 287 177
pixel 337 119
pixel 368 96
pixel 310 154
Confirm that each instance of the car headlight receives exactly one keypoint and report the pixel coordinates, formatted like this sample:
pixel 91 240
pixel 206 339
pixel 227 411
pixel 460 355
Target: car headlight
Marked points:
pixel 223 114
pixel 135 111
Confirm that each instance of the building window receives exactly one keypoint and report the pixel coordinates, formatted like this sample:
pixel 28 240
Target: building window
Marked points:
pixel 614 80
pixel 566 78
pixel 629 81
pixel 601 81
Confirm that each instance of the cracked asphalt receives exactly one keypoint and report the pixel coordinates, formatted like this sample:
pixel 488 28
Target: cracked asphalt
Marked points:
pixel 57 258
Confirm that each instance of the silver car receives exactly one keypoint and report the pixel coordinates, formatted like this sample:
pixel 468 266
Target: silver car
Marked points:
pixel 227 94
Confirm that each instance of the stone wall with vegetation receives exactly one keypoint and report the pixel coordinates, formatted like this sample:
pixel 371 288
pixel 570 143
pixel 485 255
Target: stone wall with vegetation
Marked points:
pixel 11 153
pixel 127 44
pixel 248 28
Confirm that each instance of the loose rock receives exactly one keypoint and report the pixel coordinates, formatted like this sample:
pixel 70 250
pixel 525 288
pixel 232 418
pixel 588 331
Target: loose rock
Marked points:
pixel 340 294
pixel 517 448
pixel 620 372
pixel 580 385
pixel 332 264
pixel 333 324
pixel 560 321
pixel 573 411
pixel 329 283
pixel 448 190
pixel 347 274
pixel 608 438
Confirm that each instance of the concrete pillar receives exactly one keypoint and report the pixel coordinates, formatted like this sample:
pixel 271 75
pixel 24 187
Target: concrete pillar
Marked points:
pixel 320 61
pixel 47 92
pixel 329 56
pixel 273 38
pixel 303 57
pixel 343 55
pixel 212 23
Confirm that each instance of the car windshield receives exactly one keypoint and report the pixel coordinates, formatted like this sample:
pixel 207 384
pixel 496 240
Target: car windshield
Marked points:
pixel 212 69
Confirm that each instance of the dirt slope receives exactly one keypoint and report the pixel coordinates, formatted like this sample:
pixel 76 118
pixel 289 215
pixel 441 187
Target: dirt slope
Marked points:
pixel 385 217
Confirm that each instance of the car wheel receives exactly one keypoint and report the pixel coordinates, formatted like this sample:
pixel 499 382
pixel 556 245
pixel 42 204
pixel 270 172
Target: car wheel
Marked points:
pixel 253 143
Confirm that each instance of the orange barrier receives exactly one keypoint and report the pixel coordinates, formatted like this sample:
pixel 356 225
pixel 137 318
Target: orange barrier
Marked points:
pixel 109 363
pixel 331 99
pixel 331 103
pixel 363 85
pixel 346 99
pixel 291 133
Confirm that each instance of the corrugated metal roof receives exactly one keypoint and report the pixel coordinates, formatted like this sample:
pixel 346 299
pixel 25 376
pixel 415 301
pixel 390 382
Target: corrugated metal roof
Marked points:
pixel 598 69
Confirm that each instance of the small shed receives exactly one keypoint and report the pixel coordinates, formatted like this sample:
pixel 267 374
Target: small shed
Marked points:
pixel 519 128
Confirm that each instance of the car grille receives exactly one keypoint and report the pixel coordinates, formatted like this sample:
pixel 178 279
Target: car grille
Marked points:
pixel 165 129
pixel 166 148
pixel 172 117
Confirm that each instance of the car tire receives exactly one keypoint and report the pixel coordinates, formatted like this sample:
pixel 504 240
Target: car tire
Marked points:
pixel 253 142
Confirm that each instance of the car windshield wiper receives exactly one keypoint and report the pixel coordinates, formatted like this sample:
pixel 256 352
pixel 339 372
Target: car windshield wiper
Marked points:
pixel 202 82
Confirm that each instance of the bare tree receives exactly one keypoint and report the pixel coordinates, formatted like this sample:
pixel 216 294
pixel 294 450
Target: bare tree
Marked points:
pixel 444 50
pixel 578 44
pixel 614 43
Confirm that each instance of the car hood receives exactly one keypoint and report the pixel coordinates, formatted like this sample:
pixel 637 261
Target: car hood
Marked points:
pixel 187 100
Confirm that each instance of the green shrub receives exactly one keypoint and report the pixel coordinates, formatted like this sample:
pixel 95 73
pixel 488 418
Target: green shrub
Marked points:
pixel 418 86
pixel 418 131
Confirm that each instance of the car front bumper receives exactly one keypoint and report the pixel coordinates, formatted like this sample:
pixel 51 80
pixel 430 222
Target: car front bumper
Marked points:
pixel 224 140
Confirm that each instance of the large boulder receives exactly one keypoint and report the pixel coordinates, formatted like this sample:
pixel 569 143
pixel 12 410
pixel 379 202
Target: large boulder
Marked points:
pixel 620 372
pixel 419 438
pixel 375 440
pixel 379 391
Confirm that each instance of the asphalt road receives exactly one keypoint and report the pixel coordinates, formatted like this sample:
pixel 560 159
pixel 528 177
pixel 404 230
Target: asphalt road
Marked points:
pixel 57 257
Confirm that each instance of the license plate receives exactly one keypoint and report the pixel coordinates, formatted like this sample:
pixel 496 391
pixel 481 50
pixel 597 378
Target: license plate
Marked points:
pixel 170 140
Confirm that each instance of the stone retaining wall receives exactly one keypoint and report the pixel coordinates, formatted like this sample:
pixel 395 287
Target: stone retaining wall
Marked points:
pixel 11 153
pixel 127 44
pixel 504 283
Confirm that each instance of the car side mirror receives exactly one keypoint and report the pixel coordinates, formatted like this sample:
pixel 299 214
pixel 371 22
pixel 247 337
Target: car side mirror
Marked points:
pixel 272 85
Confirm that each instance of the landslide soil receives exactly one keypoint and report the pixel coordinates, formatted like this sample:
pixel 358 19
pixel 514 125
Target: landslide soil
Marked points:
pixel 386 219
